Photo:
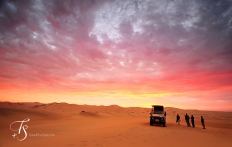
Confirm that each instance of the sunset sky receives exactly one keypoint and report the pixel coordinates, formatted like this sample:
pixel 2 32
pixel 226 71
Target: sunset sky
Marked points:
pixel 176 53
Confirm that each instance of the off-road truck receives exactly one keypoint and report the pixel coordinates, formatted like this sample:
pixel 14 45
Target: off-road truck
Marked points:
pixel 158 115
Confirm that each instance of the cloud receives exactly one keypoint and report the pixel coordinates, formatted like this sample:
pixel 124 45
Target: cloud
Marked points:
pixel 179 45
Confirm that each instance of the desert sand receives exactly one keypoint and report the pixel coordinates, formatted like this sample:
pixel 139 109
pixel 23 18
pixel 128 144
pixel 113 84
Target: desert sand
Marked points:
pixel 62 124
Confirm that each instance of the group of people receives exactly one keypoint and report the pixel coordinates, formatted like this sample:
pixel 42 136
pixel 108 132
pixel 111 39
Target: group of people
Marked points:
pixel 187 118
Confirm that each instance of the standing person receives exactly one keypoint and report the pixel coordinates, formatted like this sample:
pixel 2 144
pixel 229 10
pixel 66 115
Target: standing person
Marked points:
pixel 178 119
pixel 187 120
pixel 203 122
pixel 192 121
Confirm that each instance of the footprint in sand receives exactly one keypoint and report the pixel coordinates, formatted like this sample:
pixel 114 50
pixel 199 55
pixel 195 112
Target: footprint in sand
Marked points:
pixel 83 143
pixel 70 145
pixel 98 145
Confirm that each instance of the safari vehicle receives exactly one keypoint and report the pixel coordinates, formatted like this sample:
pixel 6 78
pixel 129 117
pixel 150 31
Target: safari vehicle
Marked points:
pixel 158 115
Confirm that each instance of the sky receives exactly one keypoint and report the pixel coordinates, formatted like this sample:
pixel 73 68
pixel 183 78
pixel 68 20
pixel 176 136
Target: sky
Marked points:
pixel 132 53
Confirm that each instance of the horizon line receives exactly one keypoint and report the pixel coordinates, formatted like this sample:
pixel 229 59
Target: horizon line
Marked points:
pixel 118 106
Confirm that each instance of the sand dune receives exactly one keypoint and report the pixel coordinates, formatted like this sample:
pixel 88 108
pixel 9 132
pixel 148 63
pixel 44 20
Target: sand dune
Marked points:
pixel 61 124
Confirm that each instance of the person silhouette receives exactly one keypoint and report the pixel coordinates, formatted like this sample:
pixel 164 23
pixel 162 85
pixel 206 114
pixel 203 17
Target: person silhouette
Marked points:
pixel 187 120
pixel 203 122
pixel 178 119
pixel 192 121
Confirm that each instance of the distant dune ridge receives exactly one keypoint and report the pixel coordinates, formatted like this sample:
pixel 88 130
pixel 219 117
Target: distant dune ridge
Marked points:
pixel 86 125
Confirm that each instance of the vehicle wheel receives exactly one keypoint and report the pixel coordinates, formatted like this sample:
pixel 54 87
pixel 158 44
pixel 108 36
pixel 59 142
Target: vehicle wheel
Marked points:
pixel 164 124
pixel 151 123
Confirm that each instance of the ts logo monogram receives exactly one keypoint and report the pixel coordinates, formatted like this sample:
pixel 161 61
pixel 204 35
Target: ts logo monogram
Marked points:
pixel 21 127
